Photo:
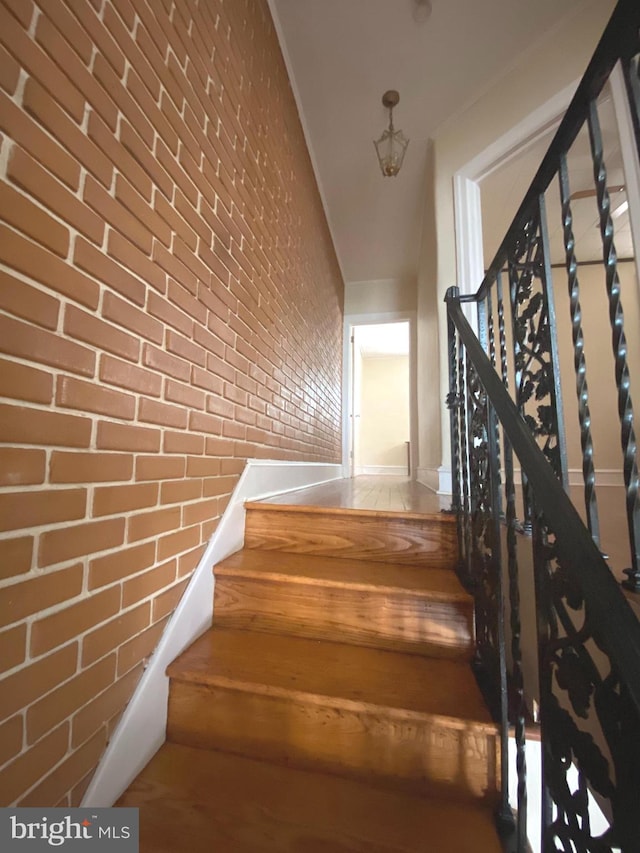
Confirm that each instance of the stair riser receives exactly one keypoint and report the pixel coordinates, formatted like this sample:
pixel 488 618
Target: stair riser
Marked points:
pixel 421 753
pixel 402 540
pixel 396 621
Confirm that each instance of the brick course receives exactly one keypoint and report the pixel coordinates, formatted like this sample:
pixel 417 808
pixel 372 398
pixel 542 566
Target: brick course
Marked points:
pixel 170 305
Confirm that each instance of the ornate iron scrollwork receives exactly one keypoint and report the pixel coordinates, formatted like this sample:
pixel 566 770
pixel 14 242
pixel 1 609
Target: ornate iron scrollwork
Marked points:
pixel 587 719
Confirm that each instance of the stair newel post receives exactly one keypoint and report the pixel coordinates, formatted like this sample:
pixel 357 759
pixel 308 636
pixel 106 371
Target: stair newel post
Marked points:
pixel 619 344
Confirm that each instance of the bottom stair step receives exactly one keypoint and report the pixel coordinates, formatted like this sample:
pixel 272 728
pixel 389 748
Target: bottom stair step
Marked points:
pixel 205 801
pixel 400 718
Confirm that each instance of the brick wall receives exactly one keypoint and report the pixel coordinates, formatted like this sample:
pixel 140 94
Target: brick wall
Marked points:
pixel 170 305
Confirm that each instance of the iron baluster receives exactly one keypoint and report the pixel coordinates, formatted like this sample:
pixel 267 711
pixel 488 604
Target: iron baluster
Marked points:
pixel 465 567
pixel 453 404
pixel 623 379
pixel 579 359
pixel 492 356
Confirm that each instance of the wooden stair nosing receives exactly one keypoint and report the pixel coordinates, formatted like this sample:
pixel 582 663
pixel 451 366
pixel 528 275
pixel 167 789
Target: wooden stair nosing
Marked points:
pixel 353 512
pixel 203 801
pixel 435 584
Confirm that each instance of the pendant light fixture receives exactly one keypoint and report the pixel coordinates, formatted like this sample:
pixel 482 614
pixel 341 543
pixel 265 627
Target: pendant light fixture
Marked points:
pixel 392 145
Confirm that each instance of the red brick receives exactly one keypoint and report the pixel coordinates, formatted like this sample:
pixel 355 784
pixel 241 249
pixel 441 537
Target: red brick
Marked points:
pixel 20 509
pixel 99 265
pixel 108 143
pixel 99 35
pixel 89 467
pixel 27 597
pixel 20 382
pixel 111 500
pixel 167 601
pixel 168 213
pixel 114 567
pixel 176 543
pixel 64 700
pixel 18 210
pixel 70 623
pixel 139 648
pixel 87 396
pixel 26 133
pixel 29 303
pixel 106 77
pixel 112 211
pixel 146 584
pixel 111 635
pixel 9 72
pixel 24 171
pixel 182 442
pixel 23 772
pixel 68 27
pixel 84 80
pixel 124 375
pixel 162 414
pixel 27 684
pixel 201 511
pixel 33 59
pixel 121 312
pixel 180 491
pixel 141 150
pixel 159 468
pixel 113 436
pixel 11 735
pixel 68 543
pixel 28 342
pixel 98 712
pixel 19 467
pixel 139 208
pixel 148 524
pixel 163 310
pixel 185 348
pixel 15 556
pixel 13 648
pixel 203 379
pixel 136 262
pixel 199 422
pixel 26 257
pixel 88 328
pixel 167 261
pixel 66 774
pixel 44 108
pixel 161 361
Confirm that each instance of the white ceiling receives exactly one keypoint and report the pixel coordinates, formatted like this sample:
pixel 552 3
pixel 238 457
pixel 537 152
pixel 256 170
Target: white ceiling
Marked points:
pixel 342 56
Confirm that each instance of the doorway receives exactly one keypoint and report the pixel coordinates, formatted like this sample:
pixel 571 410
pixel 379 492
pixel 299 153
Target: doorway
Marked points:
pixel 379 380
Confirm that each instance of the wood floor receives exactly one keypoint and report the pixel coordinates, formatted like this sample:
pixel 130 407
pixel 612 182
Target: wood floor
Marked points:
pixel 331 708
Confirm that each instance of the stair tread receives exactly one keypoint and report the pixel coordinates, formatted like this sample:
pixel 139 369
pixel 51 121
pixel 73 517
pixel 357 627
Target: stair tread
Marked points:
pixel 201 800
pixel 273 505
pixel 340 674
pixel 436 584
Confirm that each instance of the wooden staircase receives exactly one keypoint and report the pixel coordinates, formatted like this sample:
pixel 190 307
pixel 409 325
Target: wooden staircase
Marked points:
pixel 332 706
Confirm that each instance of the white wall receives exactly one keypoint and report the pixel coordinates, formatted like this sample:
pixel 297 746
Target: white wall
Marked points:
pixel 384 415
pixel 542 71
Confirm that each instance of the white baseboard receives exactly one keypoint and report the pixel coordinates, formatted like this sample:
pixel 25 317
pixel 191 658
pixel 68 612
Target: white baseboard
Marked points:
pixel 382 470
pixel 429 477
pixel 141 730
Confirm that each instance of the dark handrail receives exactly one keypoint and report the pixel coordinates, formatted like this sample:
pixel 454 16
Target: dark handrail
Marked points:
pixel 618 40
pixel 610 612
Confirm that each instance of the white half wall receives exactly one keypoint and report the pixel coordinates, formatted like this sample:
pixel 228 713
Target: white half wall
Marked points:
pixel 141 731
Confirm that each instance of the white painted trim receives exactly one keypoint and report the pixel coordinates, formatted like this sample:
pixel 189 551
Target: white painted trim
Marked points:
pixel 382 470
pixel 428 477
pixel 141 731
pixel 445 484
pixel 373 319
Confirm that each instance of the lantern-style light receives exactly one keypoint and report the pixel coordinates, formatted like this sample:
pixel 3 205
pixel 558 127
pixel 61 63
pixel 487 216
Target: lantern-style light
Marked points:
pixel 392 145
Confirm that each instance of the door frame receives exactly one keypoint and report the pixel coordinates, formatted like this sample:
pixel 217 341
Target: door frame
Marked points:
pixel 375 319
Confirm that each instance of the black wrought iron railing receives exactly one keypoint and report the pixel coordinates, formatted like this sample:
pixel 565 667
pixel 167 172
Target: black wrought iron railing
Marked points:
pixel 558 637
